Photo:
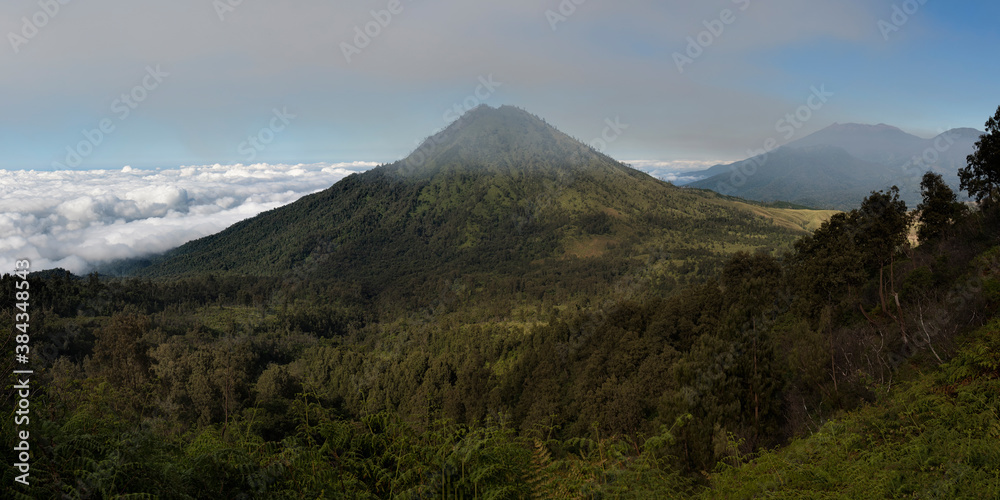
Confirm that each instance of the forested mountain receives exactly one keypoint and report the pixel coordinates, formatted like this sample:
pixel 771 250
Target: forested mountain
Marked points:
pixel 839 165
pixel 498 193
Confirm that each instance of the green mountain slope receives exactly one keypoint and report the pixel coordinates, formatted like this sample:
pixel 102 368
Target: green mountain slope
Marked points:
pixel 499 192
pixel 936 437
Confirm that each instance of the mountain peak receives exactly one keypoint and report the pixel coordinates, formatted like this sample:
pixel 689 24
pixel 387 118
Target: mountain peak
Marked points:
pixel 878 143
pixel 499 139
pixel 860 128
pixel 964 132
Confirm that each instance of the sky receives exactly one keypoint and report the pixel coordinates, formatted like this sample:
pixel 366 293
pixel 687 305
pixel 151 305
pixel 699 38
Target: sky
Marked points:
pixel 90 88
pixel 224 69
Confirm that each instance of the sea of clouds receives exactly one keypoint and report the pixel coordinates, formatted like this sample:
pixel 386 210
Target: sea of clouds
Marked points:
pixel 78 219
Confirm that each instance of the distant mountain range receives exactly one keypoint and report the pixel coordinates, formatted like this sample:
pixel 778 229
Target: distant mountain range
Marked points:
pixel 840 165
pixel 499 194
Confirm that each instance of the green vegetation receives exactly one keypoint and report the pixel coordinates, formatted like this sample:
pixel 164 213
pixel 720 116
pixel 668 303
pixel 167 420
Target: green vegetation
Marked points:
pixel 981 178
pixel 934 437
pixel 850 364
pixel 939 210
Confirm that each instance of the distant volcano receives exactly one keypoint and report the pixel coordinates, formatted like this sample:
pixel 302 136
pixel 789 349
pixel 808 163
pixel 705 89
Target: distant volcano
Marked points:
pixel 840 165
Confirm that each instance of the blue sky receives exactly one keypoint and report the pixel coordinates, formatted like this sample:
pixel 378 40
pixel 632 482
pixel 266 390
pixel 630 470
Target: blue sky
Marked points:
pixel 277 72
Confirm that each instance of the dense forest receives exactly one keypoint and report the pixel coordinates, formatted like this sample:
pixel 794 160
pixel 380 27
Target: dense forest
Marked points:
pixel 861 360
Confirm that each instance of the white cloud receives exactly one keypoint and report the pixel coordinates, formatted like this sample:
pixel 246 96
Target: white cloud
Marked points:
pixel 676 165
pixel 675 170
pixel 78 219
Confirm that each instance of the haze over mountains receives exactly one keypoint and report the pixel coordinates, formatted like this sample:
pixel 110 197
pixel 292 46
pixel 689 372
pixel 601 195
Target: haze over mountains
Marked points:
pixel 841 164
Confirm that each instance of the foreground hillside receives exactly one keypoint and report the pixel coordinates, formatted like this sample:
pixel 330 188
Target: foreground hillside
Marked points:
pixel 931 437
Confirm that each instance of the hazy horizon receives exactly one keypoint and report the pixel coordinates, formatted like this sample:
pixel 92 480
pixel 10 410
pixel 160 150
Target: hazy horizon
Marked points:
pixel 105 84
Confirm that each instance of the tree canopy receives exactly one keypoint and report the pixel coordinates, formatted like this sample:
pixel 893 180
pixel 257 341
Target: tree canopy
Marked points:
pixel 939 210
pixel 981 178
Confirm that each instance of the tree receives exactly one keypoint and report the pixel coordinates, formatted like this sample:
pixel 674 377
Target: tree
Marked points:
pixel 851 247
pixel 882 225
pixel 752 283
pixel 828 263
pixel 939 209
pixel 883 228
pixel 981 178
pixel 119 351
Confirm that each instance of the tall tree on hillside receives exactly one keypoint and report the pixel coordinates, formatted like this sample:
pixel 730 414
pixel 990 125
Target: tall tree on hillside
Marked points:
pixel 981 178
pixel 882 224
pixel 939 210
pixel 828 263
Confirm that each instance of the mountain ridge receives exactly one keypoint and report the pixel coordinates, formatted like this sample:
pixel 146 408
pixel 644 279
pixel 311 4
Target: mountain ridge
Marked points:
pixel 879 156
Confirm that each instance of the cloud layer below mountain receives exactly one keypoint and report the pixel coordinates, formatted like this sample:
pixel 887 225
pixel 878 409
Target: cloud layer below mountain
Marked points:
pixel 79 219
